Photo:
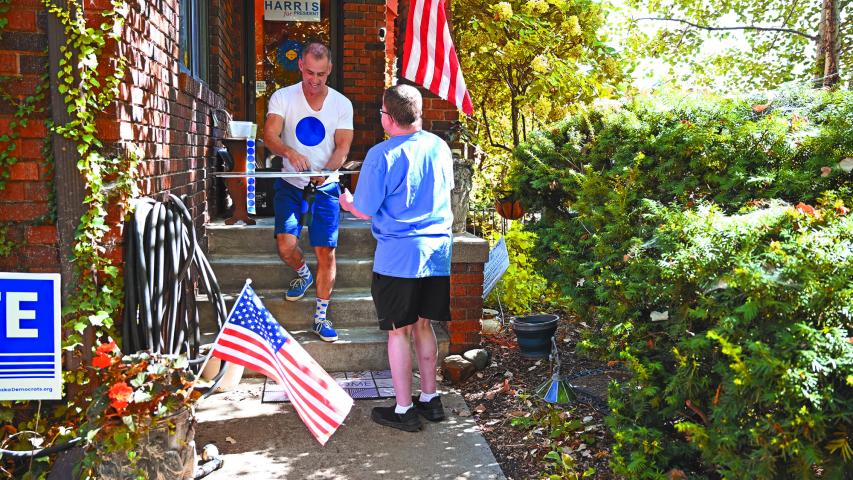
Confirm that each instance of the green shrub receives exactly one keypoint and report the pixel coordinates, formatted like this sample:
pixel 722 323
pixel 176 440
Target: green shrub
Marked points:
pixel 680 209
pixel 739 346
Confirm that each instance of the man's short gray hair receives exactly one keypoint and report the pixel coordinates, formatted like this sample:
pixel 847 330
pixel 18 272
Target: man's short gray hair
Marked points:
pixel 404 103
pixel 317 50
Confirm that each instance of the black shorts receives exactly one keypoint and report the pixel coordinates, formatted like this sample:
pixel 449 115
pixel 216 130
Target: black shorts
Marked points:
pixel 400 301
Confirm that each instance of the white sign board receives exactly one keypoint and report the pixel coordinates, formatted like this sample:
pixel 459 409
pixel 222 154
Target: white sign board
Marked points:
pixel 495 267
pixel 292 10
pixel 30 367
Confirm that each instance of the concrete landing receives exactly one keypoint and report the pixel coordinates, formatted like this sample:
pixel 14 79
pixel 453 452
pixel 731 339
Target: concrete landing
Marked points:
pixel 272 443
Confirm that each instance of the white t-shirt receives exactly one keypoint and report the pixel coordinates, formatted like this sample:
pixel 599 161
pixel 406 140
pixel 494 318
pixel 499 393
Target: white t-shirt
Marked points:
pixel 308 131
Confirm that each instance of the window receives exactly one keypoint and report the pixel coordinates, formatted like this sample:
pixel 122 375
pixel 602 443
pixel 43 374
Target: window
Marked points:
pixel 194 44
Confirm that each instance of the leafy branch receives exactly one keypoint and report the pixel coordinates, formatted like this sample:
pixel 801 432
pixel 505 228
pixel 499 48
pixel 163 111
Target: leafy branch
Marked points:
pixel 739 27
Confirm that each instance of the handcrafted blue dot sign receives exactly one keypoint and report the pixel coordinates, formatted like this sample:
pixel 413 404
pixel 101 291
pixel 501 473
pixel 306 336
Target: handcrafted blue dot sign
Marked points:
pixel 250 181
pixel 310 131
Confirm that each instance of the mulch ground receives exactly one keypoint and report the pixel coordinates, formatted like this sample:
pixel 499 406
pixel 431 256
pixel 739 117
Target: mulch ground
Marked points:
pixel 522 429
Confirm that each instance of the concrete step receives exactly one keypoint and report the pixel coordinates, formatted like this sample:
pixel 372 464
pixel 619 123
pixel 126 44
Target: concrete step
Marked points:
pixel 358 348
pixel 268 272
pixel 354 238
pixel 350 307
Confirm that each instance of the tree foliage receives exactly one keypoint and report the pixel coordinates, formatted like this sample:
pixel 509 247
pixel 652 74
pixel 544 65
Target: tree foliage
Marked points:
pixel 783 38
pixel 526 62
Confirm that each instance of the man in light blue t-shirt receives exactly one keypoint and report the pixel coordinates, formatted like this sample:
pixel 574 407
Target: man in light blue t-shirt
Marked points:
pixel 404 187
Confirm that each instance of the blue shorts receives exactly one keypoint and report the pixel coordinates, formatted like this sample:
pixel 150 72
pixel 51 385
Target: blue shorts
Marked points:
pixel 325 211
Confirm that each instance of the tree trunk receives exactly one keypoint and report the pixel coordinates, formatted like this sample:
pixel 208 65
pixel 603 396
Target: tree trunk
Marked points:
pixel 828 42
pixel 514 113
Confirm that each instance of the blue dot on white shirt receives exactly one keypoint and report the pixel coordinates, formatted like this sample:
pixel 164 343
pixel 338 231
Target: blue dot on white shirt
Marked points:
pixel 310 131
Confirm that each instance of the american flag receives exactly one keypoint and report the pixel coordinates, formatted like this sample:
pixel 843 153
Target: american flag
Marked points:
pixel 253 338
pixel 429 58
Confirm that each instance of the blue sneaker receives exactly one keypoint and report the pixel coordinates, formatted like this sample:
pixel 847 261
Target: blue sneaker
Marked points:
pixel 325 331
pixel 298 287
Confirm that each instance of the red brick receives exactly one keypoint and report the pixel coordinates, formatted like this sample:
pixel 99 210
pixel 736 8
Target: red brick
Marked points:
pixel 34 129
pixel 8 63
pixel 24 171
pixel 31 148
pixel 23 211
pixel 40 256
pixel 42 235
pixel 474 290
pixel 21 20
pixel 464 326
pixel 13 191
pixel 36 190
pixel 464 302
pixel 466 279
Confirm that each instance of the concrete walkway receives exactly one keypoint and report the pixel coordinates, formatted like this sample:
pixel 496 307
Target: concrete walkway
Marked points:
pixel 270 442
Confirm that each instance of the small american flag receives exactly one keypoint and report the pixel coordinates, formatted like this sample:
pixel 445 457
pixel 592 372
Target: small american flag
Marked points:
pixel 429 58
pixel 253 338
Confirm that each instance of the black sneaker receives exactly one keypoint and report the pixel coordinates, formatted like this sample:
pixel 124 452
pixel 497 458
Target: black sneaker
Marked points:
pixel 432 410
pixel 409 421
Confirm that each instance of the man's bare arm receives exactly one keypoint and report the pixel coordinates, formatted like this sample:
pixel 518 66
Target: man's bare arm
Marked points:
pixel 343 142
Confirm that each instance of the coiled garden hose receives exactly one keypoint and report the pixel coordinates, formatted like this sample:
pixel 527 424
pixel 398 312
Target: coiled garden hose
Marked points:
pixel 163 265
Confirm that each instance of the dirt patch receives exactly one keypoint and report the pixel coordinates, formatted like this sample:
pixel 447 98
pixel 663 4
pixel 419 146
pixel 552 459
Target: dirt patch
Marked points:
pixel 523 430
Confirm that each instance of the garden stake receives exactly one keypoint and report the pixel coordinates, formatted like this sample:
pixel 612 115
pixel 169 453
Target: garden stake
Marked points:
pixel 555 390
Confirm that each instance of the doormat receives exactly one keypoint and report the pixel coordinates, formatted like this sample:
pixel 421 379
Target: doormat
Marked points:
pixel 366 384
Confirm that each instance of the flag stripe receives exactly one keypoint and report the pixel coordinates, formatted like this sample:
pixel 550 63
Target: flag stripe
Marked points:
pixel 253 338
pixel 269 367
pixel 429 57
pixel 288 368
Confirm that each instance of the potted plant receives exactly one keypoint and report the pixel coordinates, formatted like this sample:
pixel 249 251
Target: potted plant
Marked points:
pixel 508 206
pixel 139 421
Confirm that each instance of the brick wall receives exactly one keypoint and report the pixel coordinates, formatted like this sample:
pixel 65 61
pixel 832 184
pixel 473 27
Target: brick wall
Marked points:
pixel 25 207
pixel 369 65
pixel 166 111
pixel 363 64
pixel 466 306
pixel 466 291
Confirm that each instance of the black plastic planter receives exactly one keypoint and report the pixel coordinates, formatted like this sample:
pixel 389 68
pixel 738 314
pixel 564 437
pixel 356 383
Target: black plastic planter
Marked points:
pixel 534 334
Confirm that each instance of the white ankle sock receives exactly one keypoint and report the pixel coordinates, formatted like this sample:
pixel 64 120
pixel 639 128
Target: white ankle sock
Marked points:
pixel 401 410
pixel 320 311
pixel 303 271
pixel 425 397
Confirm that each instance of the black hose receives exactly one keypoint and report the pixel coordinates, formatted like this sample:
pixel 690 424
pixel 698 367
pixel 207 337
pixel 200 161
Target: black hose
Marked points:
pixel 164 264
pixel 41 451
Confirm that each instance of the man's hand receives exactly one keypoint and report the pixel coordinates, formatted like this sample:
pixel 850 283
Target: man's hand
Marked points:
pixel 299 162
pixel 318 180
pixel 346 203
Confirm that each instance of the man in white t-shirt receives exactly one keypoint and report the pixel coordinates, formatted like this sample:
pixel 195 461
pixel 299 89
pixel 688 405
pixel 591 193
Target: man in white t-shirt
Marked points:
pixel 310 126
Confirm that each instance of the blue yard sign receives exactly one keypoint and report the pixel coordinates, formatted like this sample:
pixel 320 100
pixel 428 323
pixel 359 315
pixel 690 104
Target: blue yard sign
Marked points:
pixel 29 336
pixel 494 269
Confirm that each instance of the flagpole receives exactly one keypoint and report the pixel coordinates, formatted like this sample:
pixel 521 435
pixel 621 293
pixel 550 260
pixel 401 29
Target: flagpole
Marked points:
pixel 248 282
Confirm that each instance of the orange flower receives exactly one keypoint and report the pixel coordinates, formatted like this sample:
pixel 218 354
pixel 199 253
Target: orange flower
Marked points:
pixel 841 210
pixel 120 394
pixel 106 348
pixel 807 209
pixel 101 361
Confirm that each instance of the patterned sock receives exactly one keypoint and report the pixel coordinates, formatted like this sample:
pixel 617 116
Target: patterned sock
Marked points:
pixel 401 410
pixel 303 271
pixel 426 397
pixel 320 313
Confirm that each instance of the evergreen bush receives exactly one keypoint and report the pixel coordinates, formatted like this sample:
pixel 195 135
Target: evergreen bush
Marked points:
pixel 707 243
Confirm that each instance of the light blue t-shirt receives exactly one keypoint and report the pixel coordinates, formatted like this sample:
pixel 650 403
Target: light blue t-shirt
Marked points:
pixel 405 185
